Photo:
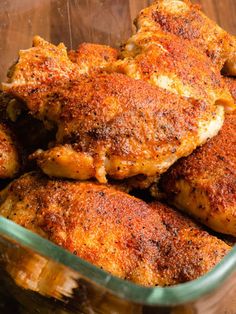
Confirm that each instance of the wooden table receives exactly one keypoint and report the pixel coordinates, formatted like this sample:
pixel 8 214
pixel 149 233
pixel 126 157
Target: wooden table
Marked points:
pixel 222 11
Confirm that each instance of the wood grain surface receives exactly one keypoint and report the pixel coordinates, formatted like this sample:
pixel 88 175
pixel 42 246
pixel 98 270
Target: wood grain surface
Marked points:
pixel 110 21
pixel 222 11
pixel 19 21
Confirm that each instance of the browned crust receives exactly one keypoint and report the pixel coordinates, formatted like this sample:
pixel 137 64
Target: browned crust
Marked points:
pixel 132 127
pixel 166 54
pixel 112 115
pixel 149 245
pixel 192 25
pixel 211 168
pixel 231 84
pixel 113 110
pixel 93 56
pixel 190 245
pixel 9 153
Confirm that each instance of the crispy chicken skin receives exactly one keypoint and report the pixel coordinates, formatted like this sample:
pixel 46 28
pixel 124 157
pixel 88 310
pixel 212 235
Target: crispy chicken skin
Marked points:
pixel 204 184
pixel 108 123
pixel 149 245
pixel 9 153
pixel 187 21
pixel 92 57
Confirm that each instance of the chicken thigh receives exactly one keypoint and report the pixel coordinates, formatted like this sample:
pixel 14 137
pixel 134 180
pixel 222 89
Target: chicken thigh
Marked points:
pixel 92 57
pixel 188 22
pixel 166 61
pixel 9 153
pixel 231 84
pixel 147 244
pixel 108 123
pixel 204 184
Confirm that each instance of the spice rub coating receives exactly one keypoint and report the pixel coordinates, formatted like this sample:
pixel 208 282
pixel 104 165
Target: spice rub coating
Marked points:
pixel 190 24
pixel 9 153
pixel 166 61
pixel 231 84
pixel 108 123
pixel 147 244
pixel 92 57
pixel 204 184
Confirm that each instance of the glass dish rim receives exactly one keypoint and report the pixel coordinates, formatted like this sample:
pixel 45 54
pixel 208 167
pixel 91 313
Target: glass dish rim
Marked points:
pixel 152 296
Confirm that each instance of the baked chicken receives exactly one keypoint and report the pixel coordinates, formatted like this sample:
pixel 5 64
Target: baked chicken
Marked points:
pixel 20 136
pixel 9 153
pixel 187 21
pixel 167 61
pixel 231 84
pixel 147 244
pixel 108 124
pixel 204 184
pixel 92 57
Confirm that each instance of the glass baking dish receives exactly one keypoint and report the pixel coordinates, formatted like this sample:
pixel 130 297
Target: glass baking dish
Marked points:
pixel 40 277
pixel 44 278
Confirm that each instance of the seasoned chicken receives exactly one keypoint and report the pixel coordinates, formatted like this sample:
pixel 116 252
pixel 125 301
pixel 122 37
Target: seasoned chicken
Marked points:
pixel 231 84
pixel 147 244
pixel 204 184
pixel 20 136
pixel 90 57
pixel 9 153
pixel 185 20
pixel 167 61
pixel 108 123
pixel 9 150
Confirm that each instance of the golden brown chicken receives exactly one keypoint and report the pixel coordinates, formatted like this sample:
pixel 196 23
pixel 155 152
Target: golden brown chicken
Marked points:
pixel 204 184
pixel 231 84
pixel 185 20
pixel 90 57
pixel 149 245
pixel 9 153
pixel 167 61
pixel 108 123
pixel 20 136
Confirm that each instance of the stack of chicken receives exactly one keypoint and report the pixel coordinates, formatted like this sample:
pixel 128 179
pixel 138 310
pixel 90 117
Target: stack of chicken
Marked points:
pixel 97 123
